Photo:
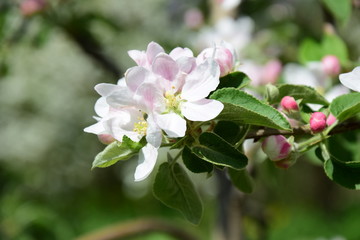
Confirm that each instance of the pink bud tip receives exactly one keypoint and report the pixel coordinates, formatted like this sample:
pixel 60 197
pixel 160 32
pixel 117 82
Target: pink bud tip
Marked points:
pixel 289 104
pixel 317 122
pixel 31 7
pixel 331 65
pixel 276 147
pixel 106 138
pixel 330 120
pixel 223 56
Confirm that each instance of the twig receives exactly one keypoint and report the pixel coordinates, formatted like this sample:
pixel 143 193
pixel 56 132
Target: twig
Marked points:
pixel 136 228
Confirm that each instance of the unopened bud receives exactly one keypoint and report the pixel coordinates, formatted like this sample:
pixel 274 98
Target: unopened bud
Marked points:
pixel 330 120
pixel 223 56
pixel 31 7
pixel 271 71
pixel 317 122
pixel 276 147
pixel 331 65
pixel 106 138
pixel 289 104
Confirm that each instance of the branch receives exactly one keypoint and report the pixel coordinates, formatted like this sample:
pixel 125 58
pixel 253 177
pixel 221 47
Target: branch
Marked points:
pixel 136 228
pixel 303 130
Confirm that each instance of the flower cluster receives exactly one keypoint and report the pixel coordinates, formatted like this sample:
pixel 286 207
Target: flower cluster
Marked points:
pixel 159 96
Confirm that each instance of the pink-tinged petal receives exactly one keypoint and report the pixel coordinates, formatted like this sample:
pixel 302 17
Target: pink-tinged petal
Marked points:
pixel 186 64
pixel 202 110
pixel 351 80
pixel 153 133
pixel 105 89
pixel 97 128
pixel 146 163
pixel 135 76
pixel 165 66
pixel 150 98
pixel 173 125
pixel 139 57
pixel 153 49
pixel 102 107
pixel 120 98
pixel 179 52
pixel 200 82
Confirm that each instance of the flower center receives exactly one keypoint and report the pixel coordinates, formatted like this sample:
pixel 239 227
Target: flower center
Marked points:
pixel 140 127
pixel 172 102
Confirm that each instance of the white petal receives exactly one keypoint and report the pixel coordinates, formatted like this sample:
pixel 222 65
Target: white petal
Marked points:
pixel 351 80
pixel 105 89
pixel 135 76
pixel 202 110
pixel 179 52
pixel 153 49
pixel 97 128
pixel 173 125
pixel 153 133
pixel 336 91
pixel 146 162
pixel 120 98
pixel 138 56
pixel 102 107
pixel 201 81
pixel 299 75
pixel 186 64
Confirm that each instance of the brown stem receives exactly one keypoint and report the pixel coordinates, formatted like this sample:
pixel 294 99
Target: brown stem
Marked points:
pixel 136 228
pixel 298 131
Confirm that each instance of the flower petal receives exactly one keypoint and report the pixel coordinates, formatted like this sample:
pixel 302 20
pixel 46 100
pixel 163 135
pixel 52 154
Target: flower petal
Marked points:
pixel 135 76
pixel 173 125
pixel 97 128
pixel 201 81
pixel 146 162
pixel 139 57
pixel 179 52
pixel 153 49
pixel 102 107
pixel 186 64
pixel 105 89
pixel 202 110
pixel 153 133
pixel 351 80
pixel 165 66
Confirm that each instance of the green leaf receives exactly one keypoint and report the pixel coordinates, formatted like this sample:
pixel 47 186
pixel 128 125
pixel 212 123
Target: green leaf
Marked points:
pixel 309 51
pixel 343 164
pixel 174 188
pixel 334 45
pixel 194 163
pixel 345 106
pixel 306 93
pixel 234 79
pixel 116 151
pixel 242 180
pixel 341 9
pixel 229 131
pixel 242 108
pixel 216 150
pixel 346 176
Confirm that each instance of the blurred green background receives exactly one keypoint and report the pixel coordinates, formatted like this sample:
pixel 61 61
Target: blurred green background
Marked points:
pixel 49 63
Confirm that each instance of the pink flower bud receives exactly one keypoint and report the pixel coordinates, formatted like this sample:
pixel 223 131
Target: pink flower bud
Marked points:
pixel 289 104
pixel 31 7
pixel 106 138
pixel 317 122
pixel 193 18
pixel 330 120
pixel 276 147
pixel 223 56
pixel 331 65
pixel 271 72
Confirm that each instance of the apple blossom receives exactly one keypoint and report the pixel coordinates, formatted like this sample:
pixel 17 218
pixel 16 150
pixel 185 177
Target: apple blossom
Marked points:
pixel 352 79
pixel 330 120
pixel 317 122
pixel 276 147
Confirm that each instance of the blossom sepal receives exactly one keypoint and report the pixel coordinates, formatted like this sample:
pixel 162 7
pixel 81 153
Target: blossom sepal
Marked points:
pixel 118 151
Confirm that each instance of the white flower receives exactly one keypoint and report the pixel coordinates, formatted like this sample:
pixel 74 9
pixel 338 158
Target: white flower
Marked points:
pixel 352 79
